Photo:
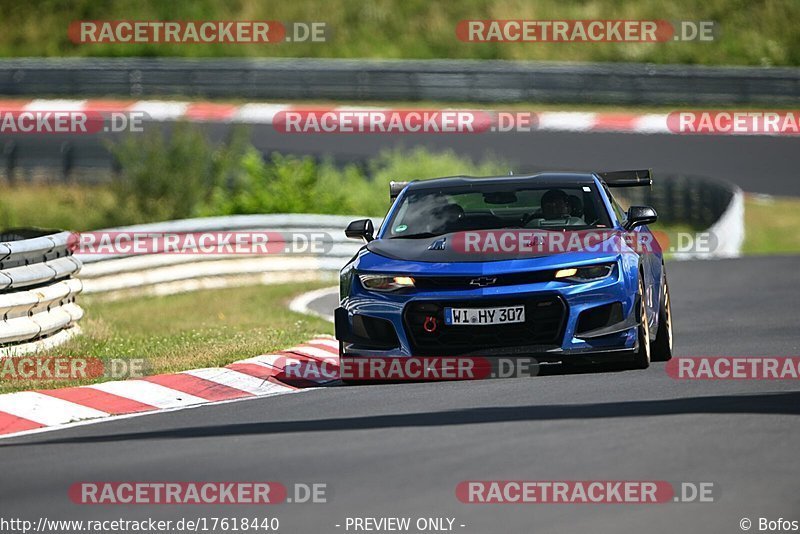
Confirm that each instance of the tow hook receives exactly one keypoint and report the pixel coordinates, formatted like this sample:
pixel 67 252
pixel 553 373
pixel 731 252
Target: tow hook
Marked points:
pixel 430 324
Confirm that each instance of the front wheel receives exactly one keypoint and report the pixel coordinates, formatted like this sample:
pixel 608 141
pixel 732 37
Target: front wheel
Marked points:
pixel 344 381
pixel 661 350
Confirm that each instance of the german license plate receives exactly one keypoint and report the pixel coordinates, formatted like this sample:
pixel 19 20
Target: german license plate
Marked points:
pixel 484 316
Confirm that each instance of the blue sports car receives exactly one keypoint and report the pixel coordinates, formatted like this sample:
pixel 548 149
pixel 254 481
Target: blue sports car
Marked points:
pixel 546 265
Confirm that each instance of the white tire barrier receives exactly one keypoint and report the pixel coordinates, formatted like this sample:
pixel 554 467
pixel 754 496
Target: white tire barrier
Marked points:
pixel 37 290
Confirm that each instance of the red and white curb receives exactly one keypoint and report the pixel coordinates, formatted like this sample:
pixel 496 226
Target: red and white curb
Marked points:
pixel 28 412
pixel 264 113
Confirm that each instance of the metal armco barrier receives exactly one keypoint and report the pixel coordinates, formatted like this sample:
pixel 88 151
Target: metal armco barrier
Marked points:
pixel 37 290
pixel 698 201
pixel 448 80
pixel 170 273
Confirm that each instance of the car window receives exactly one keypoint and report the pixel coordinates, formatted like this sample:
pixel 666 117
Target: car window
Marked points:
pixel 427 212
pixel 621 213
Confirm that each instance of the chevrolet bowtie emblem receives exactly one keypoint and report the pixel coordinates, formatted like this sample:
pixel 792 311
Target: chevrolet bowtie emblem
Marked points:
pixel 483 281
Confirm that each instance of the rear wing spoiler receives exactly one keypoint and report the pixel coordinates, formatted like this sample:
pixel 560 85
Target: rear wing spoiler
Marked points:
pixel 395 188
pixel 637 178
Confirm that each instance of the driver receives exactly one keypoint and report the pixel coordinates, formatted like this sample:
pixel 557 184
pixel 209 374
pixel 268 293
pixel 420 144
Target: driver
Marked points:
pixel 556 205
pixel 576 206
pixel 450 215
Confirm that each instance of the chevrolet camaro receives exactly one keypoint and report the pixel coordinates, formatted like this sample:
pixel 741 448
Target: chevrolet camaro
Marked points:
pixel 546 265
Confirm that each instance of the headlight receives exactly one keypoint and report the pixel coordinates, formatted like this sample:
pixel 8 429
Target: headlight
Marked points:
pixel 585 274
pixel 385 283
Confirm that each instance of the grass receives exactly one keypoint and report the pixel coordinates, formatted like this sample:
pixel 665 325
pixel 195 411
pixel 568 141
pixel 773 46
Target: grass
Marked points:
pixel 750 32
pixel 187 331
pixel 69 206
pixel 771 225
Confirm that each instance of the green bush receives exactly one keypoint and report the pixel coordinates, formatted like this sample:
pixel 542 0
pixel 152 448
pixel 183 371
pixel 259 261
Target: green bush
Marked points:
pixel 162 178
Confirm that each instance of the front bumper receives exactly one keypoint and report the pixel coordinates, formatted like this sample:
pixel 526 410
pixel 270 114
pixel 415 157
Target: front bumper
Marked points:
pixel 563 320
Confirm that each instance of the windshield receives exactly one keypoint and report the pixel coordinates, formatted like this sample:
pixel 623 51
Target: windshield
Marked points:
pixel 432 212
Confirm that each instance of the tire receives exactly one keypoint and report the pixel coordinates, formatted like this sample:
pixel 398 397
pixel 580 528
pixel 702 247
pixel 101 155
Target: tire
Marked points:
pixel 641 359
pixel 661 351
pixel 341 353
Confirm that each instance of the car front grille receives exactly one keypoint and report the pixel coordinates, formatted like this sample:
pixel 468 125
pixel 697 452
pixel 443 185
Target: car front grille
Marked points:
pixel 545 318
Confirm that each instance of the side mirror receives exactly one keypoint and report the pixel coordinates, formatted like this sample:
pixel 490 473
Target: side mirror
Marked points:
pixel 639 215
pixel 361 229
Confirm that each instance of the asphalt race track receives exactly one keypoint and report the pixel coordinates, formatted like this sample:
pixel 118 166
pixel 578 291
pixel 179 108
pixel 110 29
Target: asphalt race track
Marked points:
pixel 400 450
pixel 762 164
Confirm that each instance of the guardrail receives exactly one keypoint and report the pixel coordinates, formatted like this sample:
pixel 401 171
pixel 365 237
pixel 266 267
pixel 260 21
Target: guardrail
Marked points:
pixel 446 80
pixel 170 273
pixel 698 201
pixel 37 290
